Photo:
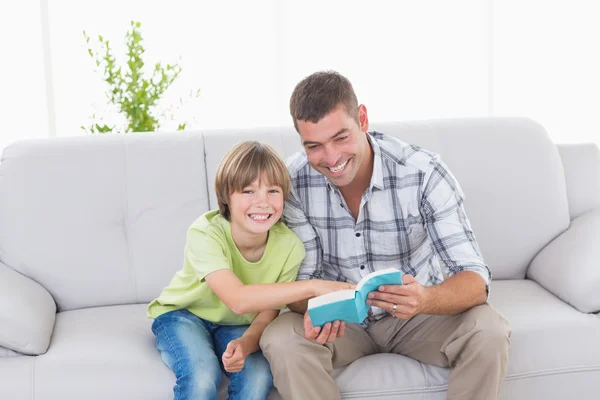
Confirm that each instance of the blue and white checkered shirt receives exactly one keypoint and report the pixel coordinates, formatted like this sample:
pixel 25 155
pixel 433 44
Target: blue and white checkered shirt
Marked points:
pixel 411 217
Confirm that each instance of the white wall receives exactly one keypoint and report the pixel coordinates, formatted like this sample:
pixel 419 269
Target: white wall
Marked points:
pixel 406 59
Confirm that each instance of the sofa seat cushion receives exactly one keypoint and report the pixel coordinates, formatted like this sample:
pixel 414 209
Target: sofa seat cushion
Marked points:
pixel 102 353
pixel 16 377
pixel 109 352
pixel 554 348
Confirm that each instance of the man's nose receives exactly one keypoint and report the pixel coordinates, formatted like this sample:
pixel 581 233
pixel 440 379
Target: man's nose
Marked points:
pixel 332 157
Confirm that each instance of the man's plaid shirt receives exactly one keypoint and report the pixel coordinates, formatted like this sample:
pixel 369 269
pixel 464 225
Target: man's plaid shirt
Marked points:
pixel 411 217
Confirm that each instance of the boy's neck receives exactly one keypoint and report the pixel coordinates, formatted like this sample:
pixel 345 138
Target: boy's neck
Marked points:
pixel 251 246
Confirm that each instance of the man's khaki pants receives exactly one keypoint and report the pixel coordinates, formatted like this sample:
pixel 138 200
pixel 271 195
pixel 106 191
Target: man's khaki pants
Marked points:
pixel 474 344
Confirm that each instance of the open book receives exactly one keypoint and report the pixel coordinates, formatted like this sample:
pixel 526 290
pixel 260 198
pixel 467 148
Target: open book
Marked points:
pixel 350 305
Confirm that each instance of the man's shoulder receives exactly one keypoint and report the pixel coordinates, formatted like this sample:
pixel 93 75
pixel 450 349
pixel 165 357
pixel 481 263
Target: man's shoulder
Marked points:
pixel 395 152
pixel 300 171
pixel 297 163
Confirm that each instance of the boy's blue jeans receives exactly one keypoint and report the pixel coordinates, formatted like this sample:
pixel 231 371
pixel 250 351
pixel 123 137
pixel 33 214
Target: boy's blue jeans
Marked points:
pixel 193 347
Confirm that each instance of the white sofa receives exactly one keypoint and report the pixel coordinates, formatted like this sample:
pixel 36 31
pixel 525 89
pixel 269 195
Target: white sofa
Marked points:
pixel 92 228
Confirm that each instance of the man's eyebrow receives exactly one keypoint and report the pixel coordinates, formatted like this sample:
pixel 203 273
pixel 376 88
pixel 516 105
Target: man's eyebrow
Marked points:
pixel 340 132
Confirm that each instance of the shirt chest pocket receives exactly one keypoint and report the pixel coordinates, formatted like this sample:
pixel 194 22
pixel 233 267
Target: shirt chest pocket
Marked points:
pixel 399 236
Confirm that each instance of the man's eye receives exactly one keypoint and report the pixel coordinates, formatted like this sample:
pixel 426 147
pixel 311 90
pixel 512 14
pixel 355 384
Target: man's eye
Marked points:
pixel 342 138
pixel 311 147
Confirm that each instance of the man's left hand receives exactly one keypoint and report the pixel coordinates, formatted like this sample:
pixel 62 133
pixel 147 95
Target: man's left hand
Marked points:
pixel 401 301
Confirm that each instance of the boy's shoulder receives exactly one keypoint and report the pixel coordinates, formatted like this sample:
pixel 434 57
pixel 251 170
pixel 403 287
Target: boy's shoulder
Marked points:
pixel 284 236
pixel 211 223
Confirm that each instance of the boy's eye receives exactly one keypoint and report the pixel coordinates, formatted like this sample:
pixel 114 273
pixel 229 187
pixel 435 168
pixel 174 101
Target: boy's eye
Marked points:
pixel 247 191
pixel 274 191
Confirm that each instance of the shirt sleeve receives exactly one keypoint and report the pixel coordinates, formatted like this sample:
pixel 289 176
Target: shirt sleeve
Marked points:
pixel 291 265
pixel 447 224
pixel 204 252
pixel 295 219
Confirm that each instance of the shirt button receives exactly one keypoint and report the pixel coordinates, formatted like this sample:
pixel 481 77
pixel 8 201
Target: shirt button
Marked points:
pixel 357 234
pixel 362 267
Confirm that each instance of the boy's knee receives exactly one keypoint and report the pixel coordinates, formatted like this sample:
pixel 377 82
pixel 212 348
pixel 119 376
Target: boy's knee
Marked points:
pixel 199 383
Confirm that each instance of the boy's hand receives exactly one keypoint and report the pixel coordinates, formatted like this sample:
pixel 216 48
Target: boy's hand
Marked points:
pixel 322 287
pixel 235 355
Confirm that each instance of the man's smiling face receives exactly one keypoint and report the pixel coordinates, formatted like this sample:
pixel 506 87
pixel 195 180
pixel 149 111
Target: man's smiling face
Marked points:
pixel 336 145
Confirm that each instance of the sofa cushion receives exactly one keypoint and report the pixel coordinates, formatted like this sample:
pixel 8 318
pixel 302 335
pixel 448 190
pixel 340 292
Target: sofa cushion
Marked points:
pixel 106 211
pixel 569 265
pixel 27 313
pixel 581 162
pixel 111 350
pixel 17 378
pixel 512 177
pixel 553 346
pixel 104 353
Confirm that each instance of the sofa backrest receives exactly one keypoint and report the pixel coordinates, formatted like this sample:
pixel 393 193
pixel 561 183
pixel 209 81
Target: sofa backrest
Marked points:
pixel 509 169
pixel 102 220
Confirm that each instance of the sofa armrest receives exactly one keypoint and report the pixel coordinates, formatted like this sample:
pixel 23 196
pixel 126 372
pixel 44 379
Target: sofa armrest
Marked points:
pixel 569 266
pixel 27 313
pixel 581 163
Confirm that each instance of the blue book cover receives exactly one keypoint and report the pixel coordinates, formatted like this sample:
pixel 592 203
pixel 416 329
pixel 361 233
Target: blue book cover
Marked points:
pixel 350 305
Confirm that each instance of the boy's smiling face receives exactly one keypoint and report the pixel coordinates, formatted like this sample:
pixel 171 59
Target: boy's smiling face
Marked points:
pixel 256 208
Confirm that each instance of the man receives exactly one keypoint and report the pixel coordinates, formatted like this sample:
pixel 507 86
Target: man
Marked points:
pixel 362 202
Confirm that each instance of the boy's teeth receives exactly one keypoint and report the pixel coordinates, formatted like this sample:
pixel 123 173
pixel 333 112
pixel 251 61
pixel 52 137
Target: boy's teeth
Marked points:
pixel 339 168
pixel 259 217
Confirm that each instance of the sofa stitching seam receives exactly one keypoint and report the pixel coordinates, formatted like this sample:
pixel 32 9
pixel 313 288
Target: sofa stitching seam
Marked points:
pixel 205 172
pixel 33 378
pixel 547 372
pixel 126 224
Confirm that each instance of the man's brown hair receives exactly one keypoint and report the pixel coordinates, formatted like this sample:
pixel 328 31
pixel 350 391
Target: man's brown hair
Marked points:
pixel 318 94
pixel 242 164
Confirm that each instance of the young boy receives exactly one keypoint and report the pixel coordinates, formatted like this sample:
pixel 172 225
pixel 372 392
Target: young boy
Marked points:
pixel 240 266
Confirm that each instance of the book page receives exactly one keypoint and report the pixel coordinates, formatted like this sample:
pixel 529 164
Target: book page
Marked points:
pixel 331 298
pixel 366 278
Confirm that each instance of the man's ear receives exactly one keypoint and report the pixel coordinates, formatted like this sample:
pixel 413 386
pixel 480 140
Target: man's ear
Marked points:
pixel 363 118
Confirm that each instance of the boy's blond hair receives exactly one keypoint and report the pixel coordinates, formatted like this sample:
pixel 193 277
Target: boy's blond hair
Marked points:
pixel 242 164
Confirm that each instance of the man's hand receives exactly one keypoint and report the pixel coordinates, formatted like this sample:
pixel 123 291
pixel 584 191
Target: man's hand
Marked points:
pixel 326 334
pixel 235 355
pixel 409 299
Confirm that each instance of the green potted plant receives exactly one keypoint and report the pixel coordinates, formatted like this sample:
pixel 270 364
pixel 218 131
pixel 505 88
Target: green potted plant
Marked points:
pixel 134 94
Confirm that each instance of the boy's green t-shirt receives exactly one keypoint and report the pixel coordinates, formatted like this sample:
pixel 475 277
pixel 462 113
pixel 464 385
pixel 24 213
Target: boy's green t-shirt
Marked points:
pixel 209 248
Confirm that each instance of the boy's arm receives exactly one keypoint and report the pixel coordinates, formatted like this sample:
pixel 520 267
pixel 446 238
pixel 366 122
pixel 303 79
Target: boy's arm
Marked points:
pixel 311 267
pixel 257 327
pixel 244 299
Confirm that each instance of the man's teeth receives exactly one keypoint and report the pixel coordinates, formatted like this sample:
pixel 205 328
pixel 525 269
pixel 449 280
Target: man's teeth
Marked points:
pixel 259 217
pixel 339 167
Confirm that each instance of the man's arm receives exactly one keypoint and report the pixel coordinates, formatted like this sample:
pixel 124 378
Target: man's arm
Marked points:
pixel 455 246
pixel 456 294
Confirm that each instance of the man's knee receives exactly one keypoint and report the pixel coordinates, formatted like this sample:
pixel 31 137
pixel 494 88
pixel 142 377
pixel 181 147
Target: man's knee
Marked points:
pixel 281 334
pixel 491 333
